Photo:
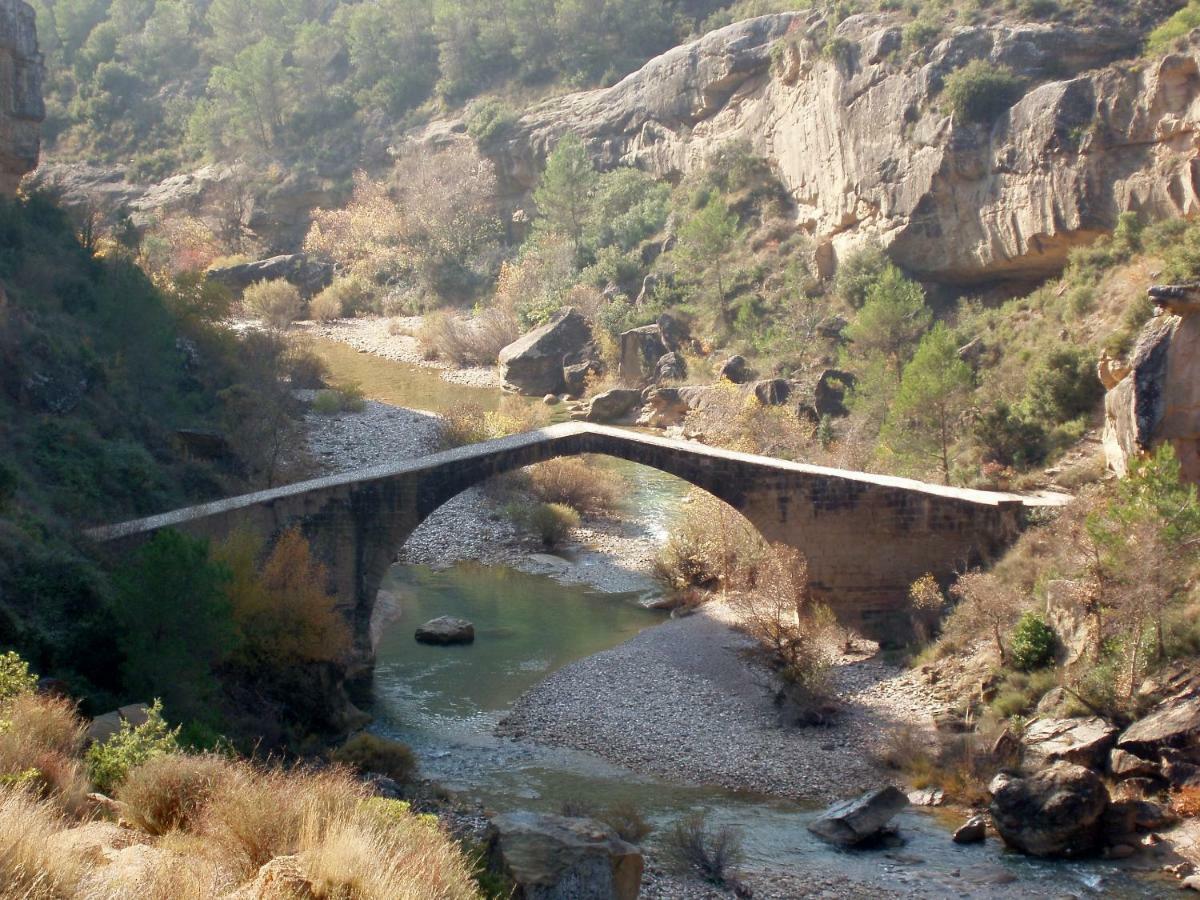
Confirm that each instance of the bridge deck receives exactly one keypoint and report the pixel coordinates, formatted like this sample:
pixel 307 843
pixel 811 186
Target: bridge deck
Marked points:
pixel 551 435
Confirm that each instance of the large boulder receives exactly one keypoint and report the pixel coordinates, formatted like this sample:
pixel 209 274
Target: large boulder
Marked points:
pixel 734 370
pixel 773 391
pixel 446 630
pixel 533 364
pixel 558 858
pixel 641 350
pixel 1173 724
pixel 849 823
pixel 1083 741
pixel 309 275
pixel 1055 812
pixel 613 405
pixel 829 393
pixel 1155 399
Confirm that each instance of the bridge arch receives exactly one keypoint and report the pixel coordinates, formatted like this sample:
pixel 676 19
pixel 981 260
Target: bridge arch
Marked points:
pixel 866 537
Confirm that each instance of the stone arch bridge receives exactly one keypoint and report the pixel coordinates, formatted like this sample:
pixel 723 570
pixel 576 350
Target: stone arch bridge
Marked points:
pixel 867 537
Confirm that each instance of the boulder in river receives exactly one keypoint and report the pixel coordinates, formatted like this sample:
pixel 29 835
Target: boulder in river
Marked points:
pixel 971 831
pixel 1055 812
pixel 446 630
pixel 559 858
pixel 533 364
pixel 849 823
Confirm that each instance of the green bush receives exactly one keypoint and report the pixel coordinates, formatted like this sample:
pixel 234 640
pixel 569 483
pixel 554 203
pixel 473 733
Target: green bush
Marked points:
pixel 278 302
pixel 1178 26
pixel 1032 643
pixel 920 34
pixel 857 274
pixel 490 120
pixel 552 522
pixel 110 762
pixel 15 677
pixel 340 399
pixel 345 297
pixel 979 92
pixel 1010 439
pixel 369 753
pixel 1063 387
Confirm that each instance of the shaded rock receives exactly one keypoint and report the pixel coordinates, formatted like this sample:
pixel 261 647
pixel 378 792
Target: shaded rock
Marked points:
pixel 1085 742
pixel 829 393
pixel 613 405
pixel 734 370
pixel 21 106
pixel 852 822
pixel 641 350
pixel 558 858
pixel 106 725
pixel 671 367
pixel 575 376
pixel 446 630
pixel 1123 764
pixel 832 327
pixel 309 275
pixel 971 831
pixel 773 391
pixel 1055 812
pixel 534 363
pixel 1172 724
pixel 674 332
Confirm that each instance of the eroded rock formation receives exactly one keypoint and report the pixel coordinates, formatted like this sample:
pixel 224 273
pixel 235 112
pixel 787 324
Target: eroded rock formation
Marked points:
pixel 21 107
pixel 1157 397
pixel 865 147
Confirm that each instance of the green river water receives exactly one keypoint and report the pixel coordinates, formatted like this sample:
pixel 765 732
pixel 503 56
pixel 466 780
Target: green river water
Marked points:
pixel 445 703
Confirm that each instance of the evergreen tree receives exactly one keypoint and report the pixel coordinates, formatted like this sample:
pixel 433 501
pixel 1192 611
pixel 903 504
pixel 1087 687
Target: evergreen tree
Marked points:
pixel 564 195
pixel 706 238
pixel 935 390
pixel 891 321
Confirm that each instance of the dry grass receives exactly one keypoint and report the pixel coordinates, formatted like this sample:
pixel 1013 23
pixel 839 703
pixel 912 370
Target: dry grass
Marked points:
pixel 1185 802
pixel 961 765
pixel 355 855
pixel 470 424
pixel 29 869
pixel 579 482
pixel 278 303
pixel 168 792
pixel 41 746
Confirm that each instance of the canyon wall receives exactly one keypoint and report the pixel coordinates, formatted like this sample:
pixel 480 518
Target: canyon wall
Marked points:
pixel 864 144
pixel 21 108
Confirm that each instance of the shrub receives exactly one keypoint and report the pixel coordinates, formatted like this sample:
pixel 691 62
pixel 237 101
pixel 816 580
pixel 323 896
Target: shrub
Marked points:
pixel 110 762
pixel 347 397
pixel 1010 439
pixel 693 846
pixel 1032 643
pixel 369 753
pixel 711 548
pixel 552 522
pixel 40 741
pixel 979 92
pixel 470 424
pixel 858 273
pixel 15 677
pixel 31 867
pixel 348 296
pixel 627 821
pixel 577 482
pixel 1064 386
pixel 475 341
pixel 278 302
pixel 489 120
pixel 465 424
pixel 920 33
pixel 169 791
pixel 961 765
pixel 1178 26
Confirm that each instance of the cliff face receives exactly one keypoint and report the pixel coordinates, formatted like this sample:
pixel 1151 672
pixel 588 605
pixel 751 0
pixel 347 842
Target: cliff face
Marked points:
pixel 866 149
pixel 21 108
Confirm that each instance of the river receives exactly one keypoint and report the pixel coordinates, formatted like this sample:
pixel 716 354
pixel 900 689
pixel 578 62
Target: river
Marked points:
pixel 445 703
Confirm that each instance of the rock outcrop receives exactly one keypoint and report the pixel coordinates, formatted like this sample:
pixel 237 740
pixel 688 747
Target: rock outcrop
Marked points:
pixel 1156 398
pixel 534 364
pixel 558 858
pixel 309 275
pixel 866 148
pixel 21 107
pixel 1082 741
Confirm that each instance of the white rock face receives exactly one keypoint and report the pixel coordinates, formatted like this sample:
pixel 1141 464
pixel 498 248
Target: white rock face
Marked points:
pixel 865 148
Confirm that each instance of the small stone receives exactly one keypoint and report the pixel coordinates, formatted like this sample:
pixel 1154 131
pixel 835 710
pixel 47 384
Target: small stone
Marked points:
pixel 550 399
pixel 446 630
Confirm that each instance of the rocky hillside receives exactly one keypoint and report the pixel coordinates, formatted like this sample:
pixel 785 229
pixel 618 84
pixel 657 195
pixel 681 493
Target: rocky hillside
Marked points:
pixel 21 109
pixel 865 142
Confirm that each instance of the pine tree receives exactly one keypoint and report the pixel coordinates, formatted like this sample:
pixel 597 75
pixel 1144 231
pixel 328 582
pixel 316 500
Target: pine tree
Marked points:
pixel 935 391
pixel 564 195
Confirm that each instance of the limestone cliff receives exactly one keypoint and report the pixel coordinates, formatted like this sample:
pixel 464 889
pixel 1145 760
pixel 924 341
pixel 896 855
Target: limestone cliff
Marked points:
pixel 1156 398
pixel 21 108
pixel 865 148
